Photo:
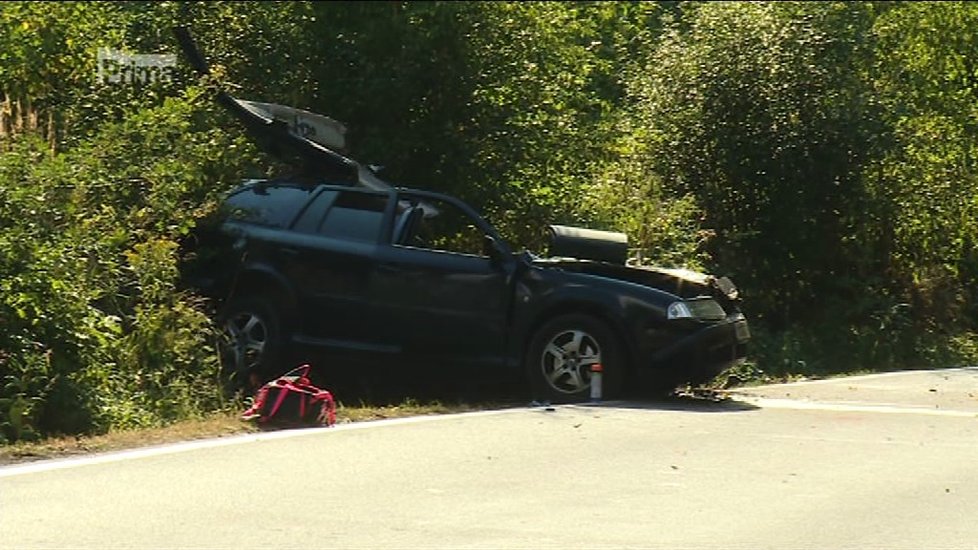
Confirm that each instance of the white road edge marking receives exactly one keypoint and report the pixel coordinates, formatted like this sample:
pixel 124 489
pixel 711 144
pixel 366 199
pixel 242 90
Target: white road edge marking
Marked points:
pixel 769 403
pixel 117 456
pixel 763 402
pixel 861 377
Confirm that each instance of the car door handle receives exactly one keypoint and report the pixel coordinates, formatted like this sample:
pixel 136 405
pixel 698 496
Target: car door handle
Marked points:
pixel 240 244
pixel 290 252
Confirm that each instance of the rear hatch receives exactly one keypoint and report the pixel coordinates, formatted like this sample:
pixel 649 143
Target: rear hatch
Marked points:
pixel 308 141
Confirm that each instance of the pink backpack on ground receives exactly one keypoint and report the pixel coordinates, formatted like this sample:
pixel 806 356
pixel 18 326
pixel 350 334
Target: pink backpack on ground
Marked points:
pixel 291 400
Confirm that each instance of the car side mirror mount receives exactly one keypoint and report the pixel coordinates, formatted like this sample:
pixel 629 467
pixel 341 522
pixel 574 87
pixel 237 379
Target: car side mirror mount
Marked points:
pixel 492 249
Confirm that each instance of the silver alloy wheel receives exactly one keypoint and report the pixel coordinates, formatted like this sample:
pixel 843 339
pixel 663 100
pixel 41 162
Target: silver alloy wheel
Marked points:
pixel 246 336
pixel 567 361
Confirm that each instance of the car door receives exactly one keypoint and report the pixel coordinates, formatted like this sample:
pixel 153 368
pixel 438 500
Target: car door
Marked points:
pixel 439 294
pixel 333 249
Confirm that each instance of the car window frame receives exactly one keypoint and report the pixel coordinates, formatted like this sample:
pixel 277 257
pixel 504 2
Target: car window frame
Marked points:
pixel 481 224
pixel 258 187
pixel 385 222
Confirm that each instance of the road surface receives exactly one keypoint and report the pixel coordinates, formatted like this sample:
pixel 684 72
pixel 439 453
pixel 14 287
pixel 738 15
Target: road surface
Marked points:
pixel 882 461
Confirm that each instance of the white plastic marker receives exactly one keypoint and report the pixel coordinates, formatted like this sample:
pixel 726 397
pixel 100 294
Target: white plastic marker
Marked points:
pixel 596 370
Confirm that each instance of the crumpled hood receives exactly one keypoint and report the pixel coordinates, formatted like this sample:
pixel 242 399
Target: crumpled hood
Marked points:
pixel 681 282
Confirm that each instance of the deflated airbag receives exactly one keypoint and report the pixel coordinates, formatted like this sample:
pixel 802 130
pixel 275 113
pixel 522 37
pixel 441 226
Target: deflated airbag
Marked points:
pixel 588 244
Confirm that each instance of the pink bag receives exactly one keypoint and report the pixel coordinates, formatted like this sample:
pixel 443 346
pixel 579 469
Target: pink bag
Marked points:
pixel 291 400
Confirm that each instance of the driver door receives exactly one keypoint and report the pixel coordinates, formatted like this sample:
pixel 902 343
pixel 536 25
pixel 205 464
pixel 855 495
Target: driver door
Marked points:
pixel 441 296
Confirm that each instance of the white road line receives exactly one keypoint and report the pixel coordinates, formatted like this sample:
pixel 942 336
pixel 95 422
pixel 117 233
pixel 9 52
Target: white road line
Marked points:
pixel 762 402
pixel 865 441
pixel 862 377
pixel 768 403
pixel 118 456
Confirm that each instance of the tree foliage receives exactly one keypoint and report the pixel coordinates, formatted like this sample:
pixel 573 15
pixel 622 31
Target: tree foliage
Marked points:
pixel 926 180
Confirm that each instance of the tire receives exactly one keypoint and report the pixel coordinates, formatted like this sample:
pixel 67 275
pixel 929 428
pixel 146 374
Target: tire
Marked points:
pixel 250 341
pixel 560 355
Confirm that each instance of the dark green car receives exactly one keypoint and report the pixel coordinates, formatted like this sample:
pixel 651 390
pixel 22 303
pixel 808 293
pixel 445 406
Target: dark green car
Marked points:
pixel 416 278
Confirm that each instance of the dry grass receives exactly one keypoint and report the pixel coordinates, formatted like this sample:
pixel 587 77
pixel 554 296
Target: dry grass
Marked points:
pixel 217 425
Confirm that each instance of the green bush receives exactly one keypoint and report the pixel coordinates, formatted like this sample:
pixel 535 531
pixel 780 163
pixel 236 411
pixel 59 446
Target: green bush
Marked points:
pixel 95 333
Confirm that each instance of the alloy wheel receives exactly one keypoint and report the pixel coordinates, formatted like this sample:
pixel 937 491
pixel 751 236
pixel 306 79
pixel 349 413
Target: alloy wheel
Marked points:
pixel 245 338
pixel 567 359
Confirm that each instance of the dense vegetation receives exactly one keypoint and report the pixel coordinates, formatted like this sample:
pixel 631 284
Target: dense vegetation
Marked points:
pixel 822 154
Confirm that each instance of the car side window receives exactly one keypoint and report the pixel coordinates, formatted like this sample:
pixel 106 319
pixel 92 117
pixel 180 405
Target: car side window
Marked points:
pixel 435 224
pixel 312 217
pixel 267 205
pixel 354 216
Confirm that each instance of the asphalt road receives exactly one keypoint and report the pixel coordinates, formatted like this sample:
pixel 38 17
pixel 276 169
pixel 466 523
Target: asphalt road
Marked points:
pixel 882 461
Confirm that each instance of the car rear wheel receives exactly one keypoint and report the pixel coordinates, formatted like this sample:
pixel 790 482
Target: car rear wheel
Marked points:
pixel 250 341
pixel 561 356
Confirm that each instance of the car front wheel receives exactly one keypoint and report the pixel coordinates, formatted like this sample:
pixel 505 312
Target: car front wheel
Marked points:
pixel 250 340
pixel 562 354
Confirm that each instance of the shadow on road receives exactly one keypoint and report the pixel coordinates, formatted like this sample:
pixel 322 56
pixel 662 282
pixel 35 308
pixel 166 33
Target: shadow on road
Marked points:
pixel 489 393
pixel 374 384
pixel 684 402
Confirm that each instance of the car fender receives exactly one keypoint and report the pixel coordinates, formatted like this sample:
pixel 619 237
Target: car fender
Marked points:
pixel 542 294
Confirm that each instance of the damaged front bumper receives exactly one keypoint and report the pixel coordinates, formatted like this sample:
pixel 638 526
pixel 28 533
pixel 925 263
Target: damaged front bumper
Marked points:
pixel 701 355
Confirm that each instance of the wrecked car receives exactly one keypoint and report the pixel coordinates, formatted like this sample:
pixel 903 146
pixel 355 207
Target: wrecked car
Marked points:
pixel 339 261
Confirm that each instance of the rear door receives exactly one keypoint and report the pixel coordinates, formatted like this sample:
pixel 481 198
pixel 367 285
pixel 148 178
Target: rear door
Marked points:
pixel 256 220
pixel 439 295
pixel 334 246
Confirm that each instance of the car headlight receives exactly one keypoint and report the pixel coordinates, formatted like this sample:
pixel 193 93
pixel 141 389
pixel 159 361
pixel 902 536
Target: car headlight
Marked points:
pixel 701 309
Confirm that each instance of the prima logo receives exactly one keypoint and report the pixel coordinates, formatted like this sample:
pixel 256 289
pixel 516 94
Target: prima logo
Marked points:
pixel 115 66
